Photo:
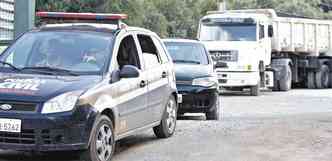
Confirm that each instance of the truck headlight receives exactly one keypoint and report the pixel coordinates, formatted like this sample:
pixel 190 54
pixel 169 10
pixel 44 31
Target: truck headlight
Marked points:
pixel 205 81
pixel 62 103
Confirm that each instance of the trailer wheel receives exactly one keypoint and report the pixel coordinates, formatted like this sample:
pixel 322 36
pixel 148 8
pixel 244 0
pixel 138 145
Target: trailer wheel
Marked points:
pixel 322 77
pixel 285 84
pixel 311 80
pixel 330 86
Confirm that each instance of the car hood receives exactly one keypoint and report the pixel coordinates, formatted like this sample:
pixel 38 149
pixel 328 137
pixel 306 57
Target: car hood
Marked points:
pixel 188 72
pixel 40 88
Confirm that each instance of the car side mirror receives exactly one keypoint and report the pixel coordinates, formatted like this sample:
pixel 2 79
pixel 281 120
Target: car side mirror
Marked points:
pixel 270 31
pixel 129 71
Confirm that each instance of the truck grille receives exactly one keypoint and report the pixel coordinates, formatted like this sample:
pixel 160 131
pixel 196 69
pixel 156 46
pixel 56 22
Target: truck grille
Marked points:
pixel 228 56
pixel 19 106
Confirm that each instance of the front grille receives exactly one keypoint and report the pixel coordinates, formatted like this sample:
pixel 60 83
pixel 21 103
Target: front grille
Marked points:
pixel 184 82
pixel 198 101
pixel 25 137
pixel 222 81
pixel 228 56
pixel 19 106
pixel 31 137
pixel 46 137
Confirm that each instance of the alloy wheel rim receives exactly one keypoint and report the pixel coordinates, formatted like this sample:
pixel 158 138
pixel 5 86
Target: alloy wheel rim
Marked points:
pixel 171 116
pixel 104 143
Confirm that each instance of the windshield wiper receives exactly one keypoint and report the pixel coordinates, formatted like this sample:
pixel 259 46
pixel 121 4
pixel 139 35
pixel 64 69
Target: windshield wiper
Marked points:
pixel 50 70
pixel 187 61
pixel 10 65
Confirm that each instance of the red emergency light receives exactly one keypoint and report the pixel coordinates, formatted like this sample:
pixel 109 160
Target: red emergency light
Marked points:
pixel 81 16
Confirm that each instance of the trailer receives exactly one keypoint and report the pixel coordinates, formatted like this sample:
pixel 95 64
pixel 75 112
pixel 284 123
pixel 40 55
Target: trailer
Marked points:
pixel 260 49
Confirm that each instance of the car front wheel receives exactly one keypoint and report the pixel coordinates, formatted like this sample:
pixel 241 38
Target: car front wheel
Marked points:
pixel 168 123
pixel 214 114
pixel 102 144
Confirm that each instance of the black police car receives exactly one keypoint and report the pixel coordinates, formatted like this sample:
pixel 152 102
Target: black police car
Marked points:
pixel 195 78
pixel 83 86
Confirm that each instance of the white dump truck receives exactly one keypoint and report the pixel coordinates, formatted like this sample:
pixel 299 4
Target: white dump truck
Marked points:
pixel 259 48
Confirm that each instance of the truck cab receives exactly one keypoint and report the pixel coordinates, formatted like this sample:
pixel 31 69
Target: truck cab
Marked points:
pixel 240 45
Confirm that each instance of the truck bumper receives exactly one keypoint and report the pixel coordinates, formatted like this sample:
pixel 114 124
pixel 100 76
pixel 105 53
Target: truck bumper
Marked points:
pixel 238 79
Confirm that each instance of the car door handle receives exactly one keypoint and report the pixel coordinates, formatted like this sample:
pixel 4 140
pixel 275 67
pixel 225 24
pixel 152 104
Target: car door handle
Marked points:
pixel 143 84
pixel 164 75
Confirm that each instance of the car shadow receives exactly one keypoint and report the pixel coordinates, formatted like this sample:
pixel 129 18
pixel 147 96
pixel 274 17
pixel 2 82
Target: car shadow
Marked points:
pixel 122 146
pixel 125 144
pixel 27 156
pixel 192 117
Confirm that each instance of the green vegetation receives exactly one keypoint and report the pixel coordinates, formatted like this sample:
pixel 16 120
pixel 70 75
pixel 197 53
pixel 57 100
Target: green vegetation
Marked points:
pixel 179 18
pixel 2 48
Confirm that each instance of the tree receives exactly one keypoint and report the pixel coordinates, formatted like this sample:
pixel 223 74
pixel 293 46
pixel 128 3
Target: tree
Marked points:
pixel 180 18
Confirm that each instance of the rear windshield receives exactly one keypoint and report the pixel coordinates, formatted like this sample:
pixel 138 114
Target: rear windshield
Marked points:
pixel 81 52
pixel 183 52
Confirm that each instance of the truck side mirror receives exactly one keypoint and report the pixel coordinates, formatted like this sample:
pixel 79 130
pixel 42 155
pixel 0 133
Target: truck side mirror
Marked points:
pixel 270 31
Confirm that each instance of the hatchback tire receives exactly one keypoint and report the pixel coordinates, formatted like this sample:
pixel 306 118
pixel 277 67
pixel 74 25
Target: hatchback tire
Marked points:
pixel 102 143
pixel 168 122
pixel 214 114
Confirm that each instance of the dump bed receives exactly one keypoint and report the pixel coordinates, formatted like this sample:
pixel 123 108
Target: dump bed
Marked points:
pixel 307 36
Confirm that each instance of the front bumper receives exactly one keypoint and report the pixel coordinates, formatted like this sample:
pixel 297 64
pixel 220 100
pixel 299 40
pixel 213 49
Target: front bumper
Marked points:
pixel 54 132
pixel 196 99
pixel 238 79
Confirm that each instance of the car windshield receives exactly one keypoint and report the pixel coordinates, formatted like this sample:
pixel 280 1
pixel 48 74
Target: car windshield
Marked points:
pixel 228 32
pixel 79 52
pixel 193 53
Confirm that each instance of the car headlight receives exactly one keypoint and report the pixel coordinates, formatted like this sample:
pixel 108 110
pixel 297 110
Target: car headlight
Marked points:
pixel 62 103
pixel 205 81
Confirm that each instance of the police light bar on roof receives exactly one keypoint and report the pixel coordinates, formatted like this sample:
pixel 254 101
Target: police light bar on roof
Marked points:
pixel 81 16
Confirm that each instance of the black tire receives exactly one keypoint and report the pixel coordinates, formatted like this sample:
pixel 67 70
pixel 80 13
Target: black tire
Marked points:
pixel 322 77
pixel 93 152
pixel 214 114
pixel 330 83
pixel 311 80
pixel 165 129
pixel 285 84
pixel 255 90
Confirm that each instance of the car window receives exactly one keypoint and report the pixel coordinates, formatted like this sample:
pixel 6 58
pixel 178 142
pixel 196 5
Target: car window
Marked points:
pixel 82 52
pixel 128 53
pixel 187 52
pixel 161 50
pixel 149 50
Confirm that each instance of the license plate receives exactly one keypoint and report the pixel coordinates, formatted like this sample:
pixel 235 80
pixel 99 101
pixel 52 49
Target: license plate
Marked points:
pixel 10 125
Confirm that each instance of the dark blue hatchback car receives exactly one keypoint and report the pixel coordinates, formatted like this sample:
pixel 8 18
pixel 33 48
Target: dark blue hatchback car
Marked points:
pixel 195 78
pixel 83 86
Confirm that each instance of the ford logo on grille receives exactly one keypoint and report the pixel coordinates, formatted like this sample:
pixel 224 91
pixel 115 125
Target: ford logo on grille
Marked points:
pixel 6 107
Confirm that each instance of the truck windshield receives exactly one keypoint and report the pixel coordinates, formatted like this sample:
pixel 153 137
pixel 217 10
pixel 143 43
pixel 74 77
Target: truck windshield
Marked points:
pixel 227 32
pixel 192 53
pixel 75 51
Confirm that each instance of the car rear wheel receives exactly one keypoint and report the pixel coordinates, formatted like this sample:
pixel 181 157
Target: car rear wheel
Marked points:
pixel 102 144
pixel 168 122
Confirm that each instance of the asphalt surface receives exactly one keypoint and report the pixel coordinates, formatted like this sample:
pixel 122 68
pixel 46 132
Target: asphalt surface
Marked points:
pixel 278 126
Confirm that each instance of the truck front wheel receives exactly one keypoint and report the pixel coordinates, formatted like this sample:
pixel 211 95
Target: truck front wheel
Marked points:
pixel 285 84
pixel 255 90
